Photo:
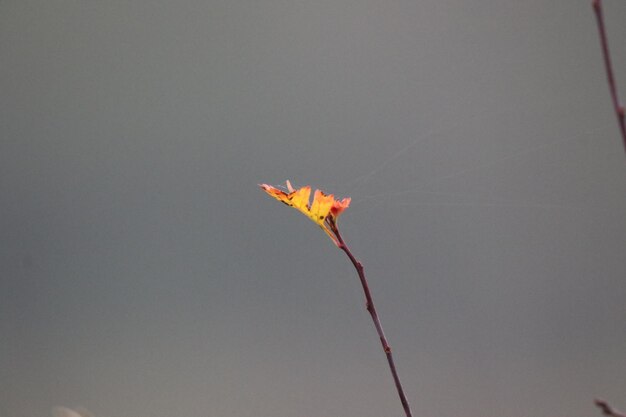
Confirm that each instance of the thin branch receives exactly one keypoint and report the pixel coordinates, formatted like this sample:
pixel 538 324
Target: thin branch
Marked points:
pixel 607 410
pixel 619 109
pixel 372 310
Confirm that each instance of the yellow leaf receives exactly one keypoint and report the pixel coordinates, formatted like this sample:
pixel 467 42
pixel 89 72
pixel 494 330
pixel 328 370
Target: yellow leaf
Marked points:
pixel 323 211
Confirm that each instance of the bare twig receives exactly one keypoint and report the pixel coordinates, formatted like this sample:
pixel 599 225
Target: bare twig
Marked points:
pixel 619 109
pixel 607 410
pixel 369 304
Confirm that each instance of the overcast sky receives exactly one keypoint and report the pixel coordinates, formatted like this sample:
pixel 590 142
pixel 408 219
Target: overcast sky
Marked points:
pixel 144 274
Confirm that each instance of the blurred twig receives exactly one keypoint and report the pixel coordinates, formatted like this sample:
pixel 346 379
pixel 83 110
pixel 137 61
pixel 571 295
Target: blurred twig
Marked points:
pixel 619 109
pixel 607 410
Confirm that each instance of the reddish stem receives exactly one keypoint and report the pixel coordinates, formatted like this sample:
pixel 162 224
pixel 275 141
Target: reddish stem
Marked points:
pixel 372 310
pixel 619 109
pixel 607 410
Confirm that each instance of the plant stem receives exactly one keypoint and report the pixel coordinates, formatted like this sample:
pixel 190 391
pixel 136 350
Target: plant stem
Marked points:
pixel 607 410
pixel 379 328
pixel 619 109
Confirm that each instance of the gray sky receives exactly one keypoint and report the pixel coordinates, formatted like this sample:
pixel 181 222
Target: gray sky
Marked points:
pixel 144 274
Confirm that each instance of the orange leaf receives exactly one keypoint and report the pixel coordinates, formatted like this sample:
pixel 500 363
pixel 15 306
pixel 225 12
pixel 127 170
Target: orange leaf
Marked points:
pixel 324 207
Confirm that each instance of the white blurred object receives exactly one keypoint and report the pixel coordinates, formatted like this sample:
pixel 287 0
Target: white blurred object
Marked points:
pixel 66 412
